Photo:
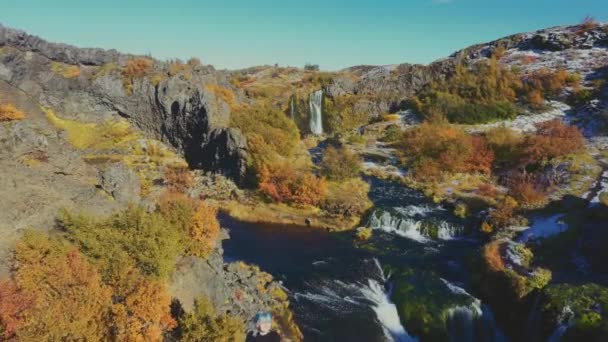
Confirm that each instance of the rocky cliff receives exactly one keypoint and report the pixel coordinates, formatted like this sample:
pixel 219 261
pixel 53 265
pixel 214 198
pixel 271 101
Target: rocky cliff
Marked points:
pixel 174 106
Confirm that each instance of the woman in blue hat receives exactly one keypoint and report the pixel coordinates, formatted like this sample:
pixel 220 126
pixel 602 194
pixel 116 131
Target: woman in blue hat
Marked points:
pixel 263 329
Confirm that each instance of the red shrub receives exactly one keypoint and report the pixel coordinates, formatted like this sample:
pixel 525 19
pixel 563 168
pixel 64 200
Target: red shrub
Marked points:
pixel 282 183
pixel 552 139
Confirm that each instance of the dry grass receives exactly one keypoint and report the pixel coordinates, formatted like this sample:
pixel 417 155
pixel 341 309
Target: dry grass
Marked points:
pixel 284 214
pixel 65 70
pixel 225 94
pixel 8 112
pixel 492 257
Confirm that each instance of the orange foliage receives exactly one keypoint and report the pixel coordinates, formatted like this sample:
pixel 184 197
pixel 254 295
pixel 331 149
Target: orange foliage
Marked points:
pixel 588 24
pixel 481 158
pixel 71 302
pixel 282 183
pixel 552 139
pixel 432 148
pixel 197 219
pixel 179 179
pixel 204 229
pixel 535 100
pixel 526 190
pixel 137 67
pixel 141 310
pixel 492 257
pixel 501 216
pixel 14 304
pixel 9 112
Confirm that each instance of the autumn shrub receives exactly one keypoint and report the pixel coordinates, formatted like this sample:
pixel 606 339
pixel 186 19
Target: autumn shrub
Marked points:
pixel 492 257
pixel 552 139
pixel 135 68
pixel 502 216
pixel 56 294
pixel 433 148
pixel 196 220
pixel 148 240
pixel 526 189
pixel 340 163
pixel 587 24
pixel 270 133
pixel 204 324
pixel 477 94
pixel 546 83
pixel 179 179
pixel 8 112
pixel 67 298
pixel 506 145
pixel 284 184
pixel 347 198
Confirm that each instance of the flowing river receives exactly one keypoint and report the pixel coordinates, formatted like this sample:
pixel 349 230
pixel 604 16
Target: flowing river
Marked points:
pixel 342 290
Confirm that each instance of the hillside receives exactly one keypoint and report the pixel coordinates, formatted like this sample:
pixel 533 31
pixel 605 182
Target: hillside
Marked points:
pixel 114 167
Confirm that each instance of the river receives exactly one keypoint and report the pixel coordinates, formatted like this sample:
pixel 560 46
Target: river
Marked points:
pixel 342 290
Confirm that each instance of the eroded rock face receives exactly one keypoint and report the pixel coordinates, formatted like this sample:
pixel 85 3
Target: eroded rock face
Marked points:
pixel 179 110
pixel 121 183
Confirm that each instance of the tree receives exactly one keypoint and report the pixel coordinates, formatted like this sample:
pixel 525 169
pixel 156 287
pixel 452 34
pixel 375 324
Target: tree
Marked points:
pixel 340 164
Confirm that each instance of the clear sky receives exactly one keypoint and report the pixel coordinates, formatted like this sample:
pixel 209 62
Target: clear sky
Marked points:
pixel 335 34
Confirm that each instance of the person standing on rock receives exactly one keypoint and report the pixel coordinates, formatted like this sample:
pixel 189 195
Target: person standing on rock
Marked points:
pixel 263 329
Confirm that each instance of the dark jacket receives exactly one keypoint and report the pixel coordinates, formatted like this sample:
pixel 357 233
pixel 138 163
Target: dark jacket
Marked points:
pixel 272 336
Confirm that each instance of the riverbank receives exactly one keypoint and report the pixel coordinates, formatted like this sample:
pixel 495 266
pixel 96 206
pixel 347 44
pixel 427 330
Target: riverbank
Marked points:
pixel 260 212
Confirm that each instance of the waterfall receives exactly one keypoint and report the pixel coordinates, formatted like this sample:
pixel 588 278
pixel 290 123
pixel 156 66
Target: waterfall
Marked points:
pixel 385 309
pixel 472 322
pixel 410 222
pixel 292 108
pixel 316 112
pixel 564 322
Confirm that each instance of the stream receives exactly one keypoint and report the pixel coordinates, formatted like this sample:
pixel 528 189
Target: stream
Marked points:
pixel 341 290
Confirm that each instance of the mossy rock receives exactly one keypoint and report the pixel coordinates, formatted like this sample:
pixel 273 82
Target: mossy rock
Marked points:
pixel 588 305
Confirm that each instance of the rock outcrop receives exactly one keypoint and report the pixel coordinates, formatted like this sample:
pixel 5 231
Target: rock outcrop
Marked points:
pixel 177 108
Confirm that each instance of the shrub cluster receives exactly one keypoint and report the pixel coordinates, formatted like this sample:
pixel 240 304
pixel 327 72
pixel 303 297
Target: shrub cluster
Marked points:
pixel 282 183
pixel 8 112
pixel 340 163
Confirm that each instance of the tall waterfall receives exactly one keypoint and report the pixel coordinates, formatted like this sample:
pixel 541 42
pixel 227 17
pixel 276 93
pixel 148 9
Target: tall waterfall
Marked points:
pixel 316 112
pixel 292 108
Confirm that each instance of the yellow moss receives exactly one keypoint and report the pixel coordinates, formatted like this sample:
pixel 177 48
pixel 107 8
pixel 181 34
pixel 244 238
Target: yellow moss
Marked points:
pixel 65 70
pixel 364 234
pixel 104 70
pixel 107 135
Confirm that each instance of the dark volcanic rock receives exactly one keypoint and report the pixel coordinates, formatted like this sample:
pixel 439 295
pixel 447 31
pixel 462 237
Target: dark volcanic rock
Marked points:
pixel 226 151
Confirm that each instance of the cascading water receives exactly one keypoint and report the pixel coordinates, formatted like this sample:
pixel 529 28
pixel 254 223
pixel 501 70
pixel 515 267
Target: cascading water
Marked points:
pixel 411 222
pixel 385 309
pixel 316 112
pixel 564 322
pixel 472 322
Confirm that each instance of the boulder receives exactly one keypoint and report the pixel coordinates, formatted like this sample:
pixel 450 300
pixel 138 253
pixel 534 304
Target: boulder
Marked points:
pixel 225 153
pixel 121 183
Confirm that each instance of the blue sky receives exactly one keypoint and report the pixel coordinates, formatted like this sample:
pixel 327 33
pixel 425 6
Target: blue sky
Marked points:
pixel 334 34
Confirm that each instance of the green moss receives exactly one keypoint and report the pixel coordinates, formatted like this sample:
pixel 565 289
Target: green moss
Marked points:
pixel 589 304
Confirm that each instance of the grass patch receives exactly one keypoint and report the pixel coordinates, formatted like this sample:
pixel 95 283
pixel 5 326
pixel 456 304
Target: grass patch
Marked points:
pixel 65 70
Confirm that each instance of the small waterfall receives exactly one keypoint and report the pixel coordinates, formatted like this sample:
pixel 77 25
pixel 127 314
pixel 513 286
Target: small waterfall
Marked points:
pixel 316 112
pixel 410 222
pixel 344 297
pixel 292 108
pixel 473 322
pixel 564 322
pixel 385 309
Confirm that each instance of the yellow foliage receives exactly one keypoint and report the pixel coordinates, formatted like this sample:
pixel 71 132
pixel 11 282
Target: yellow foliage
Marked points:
pixel 225 94
pixel 135 68
pixel 65 70
pixel 95 136
pixel 8 112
